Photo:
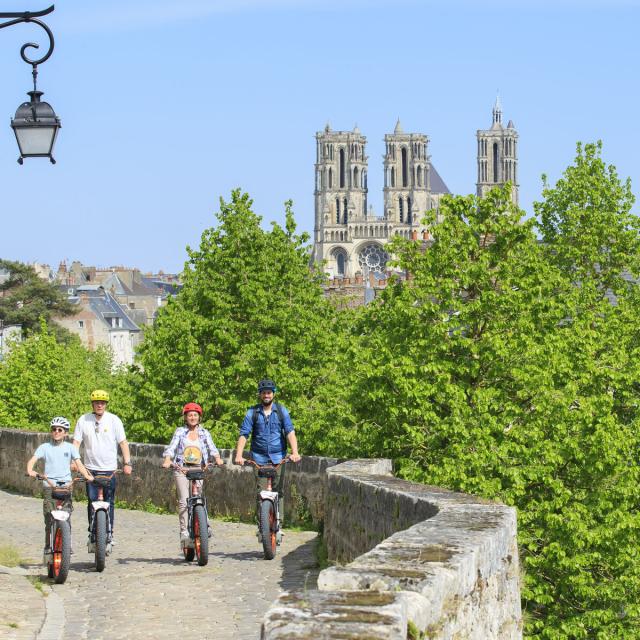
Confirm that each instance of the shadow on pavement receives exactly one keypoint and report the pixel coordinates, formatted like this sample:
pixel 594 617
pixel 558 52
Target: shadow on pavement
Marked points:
pixel 300 568
pixel 240 555
pixel 173 561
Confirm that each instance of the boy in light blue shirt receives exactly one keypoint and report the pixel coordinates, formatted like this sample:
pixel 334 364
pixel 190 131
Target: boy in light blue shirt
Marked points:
pixel 58 456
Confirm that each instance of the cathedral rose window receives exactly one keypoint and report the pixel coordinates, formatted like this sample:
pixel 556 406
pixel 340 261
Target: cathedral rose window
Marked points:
pixel 373 258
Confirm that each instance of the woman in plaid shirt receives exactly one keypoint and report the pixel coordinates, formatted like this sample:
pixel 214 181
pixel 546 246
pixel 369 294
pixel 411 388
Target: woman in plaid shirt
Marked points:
pixel 191 446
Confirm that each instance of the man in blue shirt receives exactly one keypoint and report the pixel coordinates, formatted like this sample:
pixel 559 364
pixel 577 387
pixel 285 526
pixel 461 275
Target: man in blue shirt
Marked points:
pixel 270 428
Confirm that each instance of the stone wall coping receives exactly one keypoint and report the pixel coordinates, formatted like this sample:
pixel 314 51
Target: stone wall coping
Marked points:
pixel 428 569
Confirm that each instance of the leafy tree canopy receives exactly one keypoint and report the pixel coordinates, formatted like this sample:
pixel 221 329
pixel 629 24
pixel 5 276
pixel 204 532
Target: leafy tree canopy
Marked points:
pixel 487 373
pixel 25 298
pixel 42 378
pixel 250 307
pixel 587 224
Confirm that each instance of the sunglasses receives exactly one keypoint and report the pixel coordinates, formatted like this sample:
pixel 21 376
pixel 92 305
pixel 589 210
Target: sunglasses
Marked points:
pixel 57 429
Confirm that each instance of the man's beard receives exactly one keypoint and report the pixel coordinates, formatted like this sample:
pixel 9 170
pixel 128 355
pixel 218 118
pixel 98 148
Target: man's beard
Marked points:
pixel 266 403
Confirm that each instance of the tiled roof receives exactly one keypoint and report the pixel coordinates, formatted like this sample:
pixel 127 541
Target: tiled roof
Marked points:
pixel 106 306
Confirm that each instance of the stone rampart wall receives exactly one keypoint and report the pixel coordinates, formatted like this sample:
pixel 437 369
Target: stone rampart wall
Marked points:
pixel 442 561
pixel 415 555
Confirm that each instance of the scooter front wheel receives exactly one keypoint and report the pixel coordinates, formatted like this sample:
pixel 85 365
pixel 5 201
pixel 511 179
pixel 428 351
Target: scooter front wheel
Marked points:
pixel 61 551
pixel 268 529
pixel 201 535
pixel 101 540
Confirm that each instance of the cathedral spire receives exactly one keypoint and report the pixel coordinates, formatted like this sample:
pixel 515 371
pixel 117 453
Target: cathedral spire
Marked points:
pixel 398 128
pixel 497 111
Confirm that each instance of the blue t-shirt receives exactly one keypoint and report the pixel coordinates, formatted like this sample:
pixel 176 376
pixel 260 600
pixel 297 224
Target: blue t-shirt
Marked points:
pixel 57 460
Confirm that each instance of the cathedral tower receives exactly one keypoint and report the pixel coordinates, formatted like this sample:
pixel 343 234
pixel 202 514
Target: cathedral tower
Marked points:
pixel 497 156
pixel 340 193
pixel 407 181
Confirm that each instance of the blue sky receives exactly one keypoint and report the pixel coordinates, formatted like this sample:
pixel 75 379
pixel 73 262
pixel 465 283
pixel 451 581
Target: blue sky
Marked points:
pixel 168 105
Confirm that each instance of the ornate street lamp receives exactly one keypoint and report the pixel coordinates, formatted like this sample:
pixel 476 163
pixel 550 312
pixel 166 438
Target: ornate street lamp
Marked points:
pixel 35 123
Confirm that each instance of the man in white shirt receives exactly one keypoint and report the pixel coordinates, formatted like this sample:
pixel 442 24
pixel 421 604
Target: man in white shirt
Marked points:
pixel 102 432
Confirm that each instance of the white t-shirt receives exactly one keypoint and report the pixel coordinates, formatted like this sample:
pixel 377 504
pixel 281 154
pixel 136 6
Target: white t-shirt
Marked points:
pixel 101 439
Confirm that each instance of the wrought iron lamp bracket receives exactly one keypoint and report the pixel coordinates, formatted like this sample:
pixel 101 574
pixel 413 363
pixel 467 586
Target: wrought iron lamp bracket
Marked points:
pixel 31 16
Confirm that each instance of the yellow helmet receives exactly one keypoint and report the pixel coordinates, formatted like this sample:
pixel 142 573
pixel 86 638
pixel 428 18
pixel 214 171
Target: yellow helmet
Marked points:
pixel 99 394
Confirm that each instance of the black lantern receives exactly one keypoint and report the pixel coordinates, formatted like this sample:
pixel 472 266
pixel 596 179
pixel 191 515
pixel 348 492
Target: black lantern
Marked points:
pixel 36 127
pixel 35 124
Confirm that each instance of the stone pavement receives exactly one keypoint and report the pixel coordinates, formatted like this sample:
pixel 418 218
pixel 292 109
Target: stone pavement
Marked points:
pixel 146 590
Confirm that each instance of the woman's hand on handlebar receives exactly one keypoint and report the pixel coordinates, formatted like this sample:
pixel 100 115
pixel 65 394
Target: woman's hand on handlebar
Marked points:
pixel 166 463
pixel 239 460
pixel 294 457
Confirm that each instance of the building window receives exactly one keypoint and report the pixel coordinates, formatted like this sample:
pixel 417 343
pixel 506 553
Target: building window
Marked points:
pixel 495 162
pixel 80 324
pixel 405 168
pixel 373 258
pixel 342 168
pixel 409 218
pixel 401 203
pixel 340 263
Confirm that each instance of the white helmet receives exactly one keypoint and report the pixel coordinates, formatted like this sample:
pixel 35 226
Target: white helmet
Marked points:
pixel 60 421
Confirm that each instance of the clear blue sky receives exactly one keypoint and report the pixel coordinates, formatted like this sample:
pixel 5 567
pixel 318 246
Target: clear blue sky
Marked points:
pixel 166 105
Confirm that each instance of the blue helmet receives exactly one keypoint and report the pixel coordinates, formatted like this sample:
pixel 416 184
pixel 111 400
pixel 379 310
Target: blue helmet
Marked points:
pixel 266 385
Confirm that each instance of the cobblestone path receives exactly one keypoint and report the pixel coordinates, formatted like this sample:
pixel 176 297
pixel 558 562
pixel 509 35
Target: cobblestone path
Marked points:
pixel 147 590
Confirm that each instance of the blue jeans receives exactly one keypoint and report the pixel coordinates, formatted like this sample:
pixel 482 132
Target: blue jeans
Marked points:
pixel 109 496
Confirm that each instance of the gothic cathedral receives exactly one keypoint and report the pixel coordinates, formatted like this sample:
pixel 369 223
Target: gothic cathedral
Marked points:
pixel 349 237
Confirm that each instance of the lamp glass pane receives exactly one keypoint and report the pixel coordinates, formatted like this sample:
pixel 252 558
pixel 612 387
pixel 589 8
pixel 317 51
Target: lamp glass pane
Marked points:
pixel 35 141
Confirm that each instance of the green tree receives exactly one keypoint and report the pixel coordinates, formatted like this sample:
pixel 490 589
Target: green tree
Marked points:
pixel 250 307
pixel 41 378
pixel 487 373
pixel 587 225
pixel 25 298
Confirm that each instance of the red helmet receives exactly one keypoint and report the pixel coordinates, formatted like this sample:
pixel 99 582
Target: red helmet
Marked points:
pixel 191 406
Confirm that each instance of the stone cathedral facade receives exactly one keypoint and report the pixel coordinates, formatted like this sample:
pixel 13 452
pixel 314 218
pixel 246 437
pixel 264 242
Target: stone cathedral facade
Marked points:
pixel 349 236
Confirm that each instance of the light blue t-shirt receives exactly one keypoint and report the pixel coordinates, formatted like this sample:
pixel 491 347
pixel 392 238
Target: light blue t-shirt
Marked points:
pixel 57 460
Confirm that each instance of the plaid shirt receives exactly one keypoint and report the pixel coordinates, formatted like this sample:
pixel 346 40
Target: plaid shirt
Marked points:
pixel 176 447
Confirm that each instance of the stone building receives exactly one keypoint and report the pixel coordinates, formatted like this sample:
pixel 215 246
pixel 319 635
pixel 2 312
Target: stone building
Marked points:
pixel 349 237
pixel 101 320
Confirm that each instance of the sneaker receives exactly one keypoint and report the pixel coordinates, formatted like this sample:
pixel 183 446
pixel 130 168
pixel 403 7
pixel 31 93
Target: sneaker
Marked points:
pixel 259 535
pixel 46 551
pixel 278 538
pixel 209 532
pixel 184 535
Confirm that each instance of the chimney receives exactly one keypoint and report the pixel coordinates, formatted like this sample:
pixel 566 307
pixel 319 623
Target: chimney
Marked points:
pixel 414 234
